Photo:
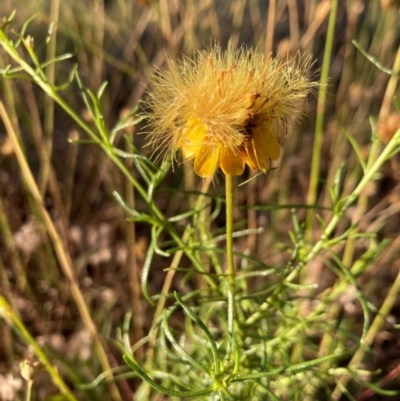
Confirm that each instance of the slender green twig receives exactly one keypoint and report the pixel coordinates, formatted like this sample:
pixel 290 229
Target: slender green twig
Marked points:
pixel 375 61
pixel 319 127
pixel 41 80
pixel 29 390
pixel 48 128
pixel 7 312
pixel 60 250
pixel 348 201
pixel 171 273
pixel 371 334
pixel 369 175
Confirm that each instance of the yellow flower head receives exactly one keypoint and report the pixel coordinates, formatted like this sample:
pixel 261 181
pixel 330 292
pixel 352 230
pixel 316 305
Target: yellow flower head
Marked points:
pixel 226 109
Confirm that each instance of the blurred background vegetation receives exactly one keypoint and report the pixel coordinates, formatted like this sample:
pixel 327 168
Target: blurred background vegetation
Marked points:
pixel 123 42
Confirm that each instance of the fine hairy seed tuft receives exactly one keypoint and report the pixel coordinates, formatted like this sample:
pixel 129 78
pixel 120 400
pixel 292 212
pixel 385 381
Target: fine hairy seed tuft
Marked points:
pixel 226 109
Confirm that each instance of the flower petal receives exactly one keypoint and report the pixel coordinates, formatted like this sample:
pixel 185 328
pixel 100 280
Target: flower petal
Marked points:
pixel 192 138
pixel 249 155
pixel 266 147
pixel 206 160
pixel 230 162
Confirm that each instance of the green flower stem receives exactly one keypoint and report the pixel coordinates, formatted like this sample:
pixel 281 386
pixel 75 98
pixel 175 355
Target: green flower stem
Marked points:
pixel 229 234
pixel 9 315
pixel 232 311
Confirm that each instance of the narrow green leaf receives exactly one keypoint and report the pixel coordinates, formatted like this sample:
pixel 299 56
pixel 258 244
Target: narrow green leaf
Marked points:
pixel 145 275
pixel 122 203
pixel 8 19
pixel 190 213
pixel 299 367
pixel 374 60
pixel 203 327
pixel 356 149
pixel 178 348
pixel 155 233
pixel 172 393
pixel 101 90
pixel 57 59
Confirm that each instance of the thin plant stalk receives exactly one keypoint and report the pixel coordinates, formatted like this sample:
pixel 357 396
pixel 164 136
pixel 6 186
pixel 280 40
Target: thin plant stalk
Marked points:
pixel 269 39
pixel 330 227
pixel 364 198
pixel 98 38
pixel 237 22
pixel 7 312
pixel 362 204
pixel 48 127
pixel 106 147
pixel 379 320
pixel 59 248
pixel 232 310
pixel 29 390
pixel 319 127
pixel 20 276
pixel 132 265
pixel 395 290
pixel 318 136
pixel 71 161
pixel 390 88
pixel 368 177
pixel 171 273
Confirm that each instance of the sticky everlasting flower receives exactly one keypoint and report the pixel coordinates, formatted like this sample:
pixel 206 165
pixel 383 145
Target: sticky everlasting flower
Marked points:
pixel 226 109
